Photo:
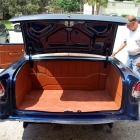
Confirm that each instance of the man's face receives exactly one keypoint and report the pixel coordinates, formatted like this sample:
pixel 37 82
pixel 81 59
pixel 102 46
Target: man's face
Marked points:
pixel 132 25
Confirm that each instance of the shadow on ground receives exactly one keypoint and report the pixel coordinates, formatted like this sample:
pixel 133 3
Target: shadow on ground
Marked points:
pixel 70 132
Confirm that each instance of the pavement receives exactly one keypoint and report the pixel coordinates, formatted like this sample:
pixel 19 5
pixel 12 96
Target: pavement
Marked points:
pixel 120 131
pixel 16 37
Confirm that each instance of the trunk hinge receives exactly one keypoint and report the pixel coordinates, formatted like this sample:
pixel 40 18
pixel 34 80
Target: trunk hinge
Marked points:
pixel 106 61
pixel 30 57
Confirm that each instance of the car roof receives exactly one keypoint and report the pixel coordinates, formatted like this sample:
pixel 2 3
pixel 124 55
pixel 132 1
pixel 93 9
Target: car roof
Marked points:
pixel 84 17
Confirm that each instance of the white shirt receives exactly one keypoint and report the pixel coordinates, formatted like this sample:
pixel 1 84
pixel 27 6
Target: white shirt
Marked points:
pixel 133 41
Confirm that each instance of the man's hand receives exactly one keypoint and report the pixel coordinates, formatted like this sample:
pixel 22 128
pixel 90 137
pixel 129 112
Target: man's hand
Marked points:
pixel 114 53
pixel 138 62
pixel 120 48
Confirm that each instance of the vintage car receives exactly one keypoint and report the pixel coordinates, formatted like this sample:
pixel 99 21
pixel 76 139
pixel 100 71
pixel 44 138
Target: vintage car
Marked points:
pixel 9 53
pixel 4 34
pixel 67 74
pixel 16 26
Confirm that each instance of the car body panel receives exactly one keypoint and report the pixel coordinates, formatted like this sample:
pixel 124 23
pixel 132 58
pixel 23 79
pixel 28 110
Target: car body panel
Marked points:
pixel 78 17
pixel 10 53
pixel 129 109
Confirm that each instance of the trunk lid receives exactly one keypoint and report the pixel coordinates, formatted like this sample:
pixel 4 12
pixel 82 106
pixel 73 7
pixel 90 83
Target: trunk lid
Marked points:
pixel 45 33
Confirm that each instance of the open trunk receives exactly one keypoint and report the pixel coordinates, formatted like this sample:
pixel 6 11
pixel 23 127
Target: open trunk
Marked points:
pixel 68 85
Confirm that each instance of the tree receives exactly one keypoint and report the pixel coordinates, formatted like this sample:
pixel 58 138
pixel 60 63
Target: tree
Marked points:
pixel 17 7
pixel 4 8
pixel 42 4
pixel 53 7
pixel 137 1
pixel 67 5
pixel 101 3
pixel 96 4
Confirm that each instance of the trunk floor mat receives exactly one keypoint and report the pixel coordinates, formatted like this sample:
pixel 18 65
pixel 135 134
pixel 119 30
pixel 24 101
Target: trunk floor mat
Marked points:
pixel 68 100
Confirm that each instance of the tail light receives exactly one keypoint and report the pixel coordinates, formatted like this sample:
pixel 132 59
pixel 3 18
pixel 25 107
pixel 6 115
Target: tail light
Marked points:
pixel 2 91
pixel 136 91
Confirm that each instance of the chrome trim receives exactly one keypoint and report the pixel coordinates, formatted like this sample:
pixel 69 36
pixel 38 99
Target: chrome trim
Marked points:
pixel 73 55
pixel 69 55
pixel 78 122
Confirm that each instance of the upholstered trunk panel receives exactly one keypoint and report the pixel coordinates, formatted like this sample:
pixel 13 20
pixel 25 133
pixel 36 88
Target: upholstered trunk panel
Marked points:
pixel 76 75
pixel 68 84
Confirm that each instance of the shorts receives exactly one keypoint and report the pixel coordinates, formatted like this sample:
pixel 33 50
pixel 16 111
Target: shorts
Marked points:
pixel 131 63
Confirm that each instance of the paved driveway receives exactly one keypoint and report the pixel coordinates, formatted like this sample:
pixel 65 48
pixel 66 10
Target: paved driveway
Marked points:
pixel 120 131
pixel 15 37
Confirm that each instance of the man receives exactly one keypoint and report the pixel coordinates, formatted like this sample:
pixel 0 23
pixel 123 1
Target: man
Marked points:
pixel 132 40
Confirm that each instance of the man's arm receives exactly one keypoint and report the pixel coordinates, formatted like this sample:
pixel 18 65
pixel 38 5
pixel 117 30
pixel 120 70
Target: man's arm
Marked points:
pixel 138 62
pixel 120 48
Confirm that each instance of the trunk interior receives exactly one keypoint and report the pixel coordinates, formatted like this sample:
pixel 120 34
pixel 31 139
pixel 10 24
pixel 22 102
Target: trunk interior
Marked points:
pixel 68 85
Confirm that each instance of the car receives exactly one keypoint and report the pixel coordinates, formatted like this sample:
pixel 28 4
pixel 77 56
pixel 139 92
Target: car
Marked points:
pixel 16 26
pixel 9 52
pixel 113 14
pixel 68 74
pixel 4 34
pixel 138 18
pixel 106 14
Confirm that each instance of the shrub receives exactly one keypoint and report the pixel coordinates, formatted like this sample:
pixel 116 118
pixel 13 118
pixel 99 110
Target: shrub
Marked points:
pixel 7 24
pixel 124 15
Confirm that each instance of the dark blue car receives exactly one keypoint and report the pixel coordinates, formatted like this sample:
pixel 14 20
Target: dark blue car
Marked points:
pixel 67 74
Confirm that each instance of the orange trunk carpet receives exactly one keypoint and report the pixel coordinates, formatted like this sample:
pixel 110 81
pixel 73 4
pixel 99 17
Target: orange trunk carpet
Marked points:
pixel 72 100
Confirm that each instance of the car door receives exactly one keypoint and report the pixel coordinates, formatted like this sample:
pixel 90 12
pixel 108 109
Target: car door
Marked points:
pixel 11 46
pixel 10 53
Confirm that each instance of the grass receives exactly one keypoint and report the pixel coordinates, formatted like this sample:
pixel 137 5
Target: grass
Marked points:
pixel 7 24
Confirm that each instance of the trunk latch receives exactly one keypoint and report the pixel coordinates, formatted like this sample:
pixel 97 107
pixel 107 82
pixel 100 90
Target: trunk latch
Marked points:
pixel 106 61
pixel 68 110
pixel 30 57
